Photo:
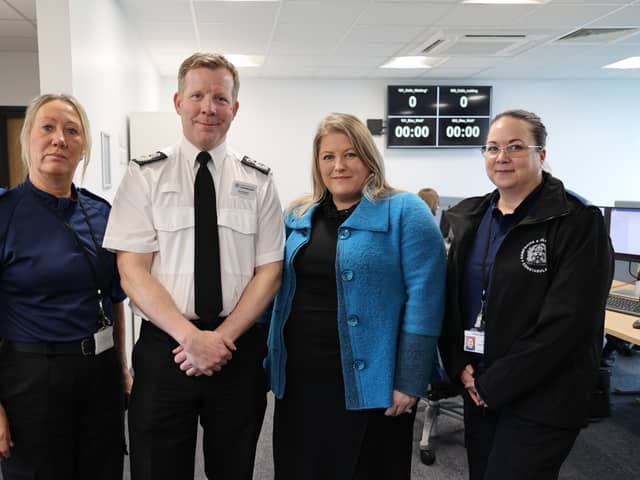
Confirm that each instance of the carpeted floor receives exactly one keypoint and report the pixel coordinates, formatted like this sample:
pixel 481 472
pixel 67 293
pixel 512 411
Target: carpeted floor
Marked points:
pixel 608 449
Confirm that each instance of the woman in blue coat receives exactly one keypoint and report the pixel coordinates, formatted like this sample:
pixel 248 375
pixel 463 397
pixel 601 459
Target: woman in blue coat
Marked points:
pixel 357 318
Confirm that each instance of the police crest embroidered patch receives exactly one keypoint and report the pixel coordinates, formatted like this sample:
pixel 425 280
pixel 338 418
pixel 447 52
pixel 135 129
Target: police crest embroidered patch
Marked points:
pixel 533 256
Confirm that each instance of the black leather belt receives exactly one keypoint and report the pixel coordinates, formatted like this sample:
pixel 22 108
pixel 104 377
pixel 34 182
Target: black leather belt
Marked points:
pixel 85 347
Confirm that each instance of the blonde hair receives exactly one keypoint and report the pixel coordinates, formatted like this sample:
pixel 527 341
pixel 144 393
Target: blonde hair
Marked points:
pixel 376 185
pixel 30 115
pixel 211 61
pixel 431 198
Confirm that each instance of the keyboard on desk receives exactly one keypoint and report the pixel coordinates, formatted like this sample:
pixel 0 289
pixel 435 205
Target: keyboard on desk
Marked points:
pixel 627 305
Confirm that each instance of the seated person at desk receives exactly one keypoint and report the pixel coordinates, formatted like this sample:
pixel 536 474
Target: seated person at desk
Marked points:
pixel 528 275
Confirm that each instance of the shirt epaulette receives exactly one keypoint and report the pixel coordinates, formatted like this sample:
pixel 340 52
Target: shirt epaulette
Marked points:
pixel 150 158
pixel 93 196
pixel 250 162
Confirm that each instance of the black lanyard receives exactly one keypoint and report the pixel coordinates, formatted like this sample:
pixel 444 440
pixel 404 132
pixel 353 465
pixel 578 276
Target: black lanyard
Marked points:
pixel 98 269
pixel 485 277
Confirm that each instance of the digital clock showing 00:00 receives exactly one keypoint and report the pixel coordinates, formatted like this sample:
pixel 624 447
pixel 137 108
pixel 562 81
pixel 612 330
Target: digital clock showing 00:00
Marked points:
pixel 409 132
pixel 462 131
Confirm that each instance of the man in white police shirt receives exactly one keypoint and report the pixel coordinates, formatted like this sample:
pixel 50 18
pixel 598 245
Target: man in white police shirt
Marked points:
pixel 199 356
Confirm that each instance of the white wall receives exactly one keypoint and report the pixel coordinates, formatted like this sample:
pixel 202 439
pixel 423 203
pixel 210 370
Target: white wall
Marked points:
pixel 87 48
pixel 593 144
pixel 112 76
pixel 19 78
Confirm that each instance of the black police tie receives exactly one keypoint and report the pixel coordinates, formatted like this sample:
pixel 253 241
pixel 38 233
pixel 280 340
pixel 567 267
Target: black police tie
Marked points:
pixel 208 287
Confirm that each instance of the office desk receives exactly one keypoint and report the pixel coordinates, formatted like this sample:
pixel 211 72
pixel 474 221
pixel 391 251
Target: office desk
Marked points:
pixel 620 325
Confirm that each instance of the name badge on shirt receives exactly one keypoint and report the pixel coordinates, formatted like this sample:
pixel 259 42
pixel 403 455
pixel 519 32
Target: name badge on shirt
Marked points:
pixel 103 339
pixel 243 189
pixel 474 341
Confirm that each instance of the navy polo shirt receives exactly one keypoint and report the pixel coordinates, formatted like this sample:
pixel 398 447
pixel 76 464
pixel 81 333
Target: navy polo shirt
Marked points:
pixel 48 292
pixel 492 230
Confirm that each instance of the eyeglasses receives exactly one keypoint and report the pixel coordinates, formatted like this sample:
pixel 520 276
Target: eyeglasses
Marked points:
pixel 511 150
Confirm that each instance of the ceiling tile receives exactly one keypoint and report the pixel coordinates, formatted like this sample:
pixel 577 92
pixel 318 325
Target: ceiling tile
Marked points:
pixel 474 62
pixel 411 14
pixel 228 38
pixel 369 48
pixel 330 12
pixel 281 61
pixel 591 2
pixel 238 13
pixel 625 17
pixel 470 15
pixel 158 10
pixel 302 47
pixel 551 15
pixel 387 33
pixel 349 38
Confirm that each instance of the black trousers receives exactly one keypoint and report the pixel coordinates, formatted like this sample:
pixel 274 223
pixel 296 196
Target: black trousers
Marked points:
pixel 66 416
pixel 501 446
pixel 166 404
pixel 316 438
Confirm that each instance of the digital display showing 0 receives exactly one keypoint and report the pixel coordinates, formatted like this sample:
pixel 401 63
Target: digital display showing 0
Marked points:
pixel 437 116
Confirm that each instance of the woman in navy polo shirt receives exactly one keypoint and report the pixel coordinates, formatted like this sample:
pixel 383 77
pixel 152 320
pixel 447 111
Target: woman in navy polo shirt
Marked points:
pixel 61 379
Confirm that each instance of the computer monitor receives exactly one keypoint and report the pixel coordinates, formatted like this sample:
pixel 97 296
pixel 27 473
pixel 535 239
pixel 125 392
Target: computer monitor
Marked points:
pixel 624 231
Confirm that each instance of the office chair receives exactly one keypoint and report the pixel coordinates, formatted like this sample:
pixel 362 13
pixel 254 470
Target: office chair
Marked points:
pixel 443 398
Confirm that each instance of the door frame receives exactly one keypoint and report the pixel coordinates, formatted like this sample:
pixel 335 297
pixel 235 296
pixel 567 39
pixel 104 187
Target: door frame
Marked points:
pixel 5 114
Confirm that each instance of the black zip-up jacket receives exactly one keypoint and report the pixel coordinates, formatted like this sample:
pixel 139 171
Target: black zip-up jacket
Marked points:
pixel 545 307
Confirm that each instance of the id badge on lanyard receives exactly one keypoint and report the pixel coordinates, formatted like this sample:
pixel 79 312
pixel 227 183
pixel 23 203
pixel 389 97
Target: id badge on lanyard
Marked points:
pixel 474 338
pixel 103 338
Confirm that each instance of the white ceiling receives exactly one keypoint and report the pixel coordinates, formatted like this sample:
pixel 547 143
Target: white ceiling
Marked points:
pixel 352 38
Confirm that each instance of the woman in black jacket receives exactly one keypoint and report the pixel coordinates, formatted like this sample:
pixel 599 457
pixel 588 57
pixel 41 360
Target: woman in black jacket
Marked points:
pixel 529 270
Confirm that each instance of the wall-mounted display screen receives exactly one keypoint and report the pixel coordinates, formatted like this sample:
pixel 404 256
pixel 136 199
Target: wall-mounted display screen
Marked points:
pixel 437 116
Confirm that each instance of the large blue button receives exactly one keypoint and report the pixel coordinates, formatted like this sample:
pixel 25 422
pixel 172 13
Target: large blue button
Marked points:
pixel 359 364
pixel 353 320
pixel 347 275
pixel 345 233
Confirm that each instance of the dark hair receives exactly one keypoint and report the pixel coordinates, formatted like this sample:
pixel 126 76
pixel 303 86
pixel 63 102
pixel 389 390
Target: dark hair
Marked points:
pixel 538 130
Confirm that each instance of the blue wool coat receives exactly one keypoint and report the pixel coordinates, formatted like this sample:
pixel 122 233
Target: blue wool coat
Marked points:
pixel 390 274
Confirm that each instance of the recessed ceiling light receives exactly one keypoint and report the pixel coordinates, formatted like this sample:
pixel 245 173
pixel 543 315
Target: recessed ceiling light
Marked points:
pixel 631 62
pixel 412 62
pixel 508 2
pixel 245 60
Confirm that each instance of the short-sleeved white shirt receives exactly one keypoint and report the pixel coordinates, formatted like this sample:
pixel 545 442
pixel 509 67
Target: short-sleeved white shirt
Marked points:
pixel 153 211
